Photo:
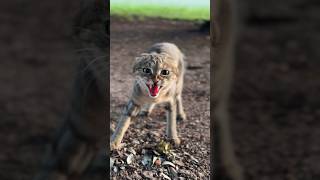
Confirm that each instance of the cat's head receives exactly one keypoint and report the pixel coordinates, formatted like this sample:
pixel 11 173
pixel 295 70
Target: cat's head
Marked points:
pixel 156 73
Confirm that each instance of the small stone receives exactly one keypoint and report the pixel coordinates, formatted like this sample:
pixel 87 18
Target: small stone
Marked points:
pixel 135 142
pixel 165 176
pixel 148 174
pixel 132 151
pixel 111 163
pixel 115 169
pixel 179 163
pixel 156 153
pixel 130 159
pixel 200 174
pixel 157 162
pixel 168 163
pixel 173 173
pixel 194 160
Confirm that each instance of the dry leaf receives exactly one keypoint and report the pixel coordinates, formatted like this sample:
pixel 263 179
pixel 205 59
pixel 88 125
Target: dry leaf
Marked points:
pixel 164 147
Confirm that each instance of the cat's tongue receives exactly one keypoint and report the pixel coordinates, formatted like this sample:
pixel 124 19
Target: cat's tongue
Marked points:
pixel 154 90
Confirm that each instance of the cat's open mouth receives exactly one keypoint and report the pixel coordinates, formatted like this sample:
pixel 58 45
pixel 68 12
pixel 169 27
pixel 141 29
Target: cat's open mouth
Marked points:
pixel 154 89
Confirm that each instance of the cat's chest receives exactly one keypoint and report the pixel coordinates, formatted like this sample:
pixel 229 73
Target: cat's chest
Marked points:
pixel 142 99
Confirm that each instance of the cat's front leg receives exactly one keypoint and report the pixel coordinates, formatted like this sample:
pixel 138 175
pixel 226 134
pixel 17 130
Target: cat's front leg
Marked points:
pixel 172 121
pixel 131 110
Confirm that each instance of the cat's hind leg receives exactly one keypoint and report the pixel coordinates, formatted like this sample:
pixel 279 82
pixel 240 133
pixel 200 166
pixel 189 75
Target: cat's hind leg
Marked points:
pixel 172 122
pixel 181 115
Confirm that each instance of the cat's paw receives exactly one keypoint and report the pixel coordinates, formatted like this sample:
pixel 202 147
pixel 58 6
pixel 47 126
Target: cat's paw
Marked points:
pixel 181 117
pixel 116 146
pixel 176 142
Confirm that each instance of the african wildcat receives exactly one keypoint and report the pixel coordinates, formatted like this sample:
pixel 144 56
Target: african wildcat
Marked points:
pixel 159 79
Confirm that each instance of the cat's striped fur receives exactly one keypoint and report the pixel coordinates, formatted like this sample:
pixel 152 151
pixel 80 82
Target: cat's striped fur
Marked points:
pixel 159 59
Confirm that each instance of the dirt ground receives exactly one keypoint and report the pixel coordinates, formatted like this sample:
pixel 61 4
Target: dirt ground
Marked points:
pixel 275 99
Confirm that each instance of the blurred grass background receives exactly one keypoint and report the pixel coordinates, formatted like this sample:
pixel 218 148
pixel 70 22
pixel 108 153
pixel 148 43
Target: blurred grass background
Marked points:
pixel 168 9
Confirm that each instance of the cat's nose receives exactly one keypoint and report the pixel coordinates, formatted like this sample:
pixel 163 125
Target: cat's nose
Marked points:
pixel 155 80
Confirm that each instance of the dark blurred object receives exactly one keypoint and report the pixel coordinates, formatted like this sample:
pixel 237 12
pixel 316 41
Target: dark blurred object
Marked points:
pixel 37 70
pixel 83 131
pixel 205 26
pixel 274 102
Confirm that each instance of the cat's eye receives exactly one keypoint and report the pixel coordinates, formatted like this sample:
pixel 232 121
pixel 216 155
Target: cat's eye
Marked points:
pixel 165 72
pixel 147 70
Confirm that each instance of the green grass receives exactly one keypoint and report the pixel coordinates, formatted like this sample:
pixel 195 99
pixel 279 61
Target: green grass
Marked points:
pixel 160 11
